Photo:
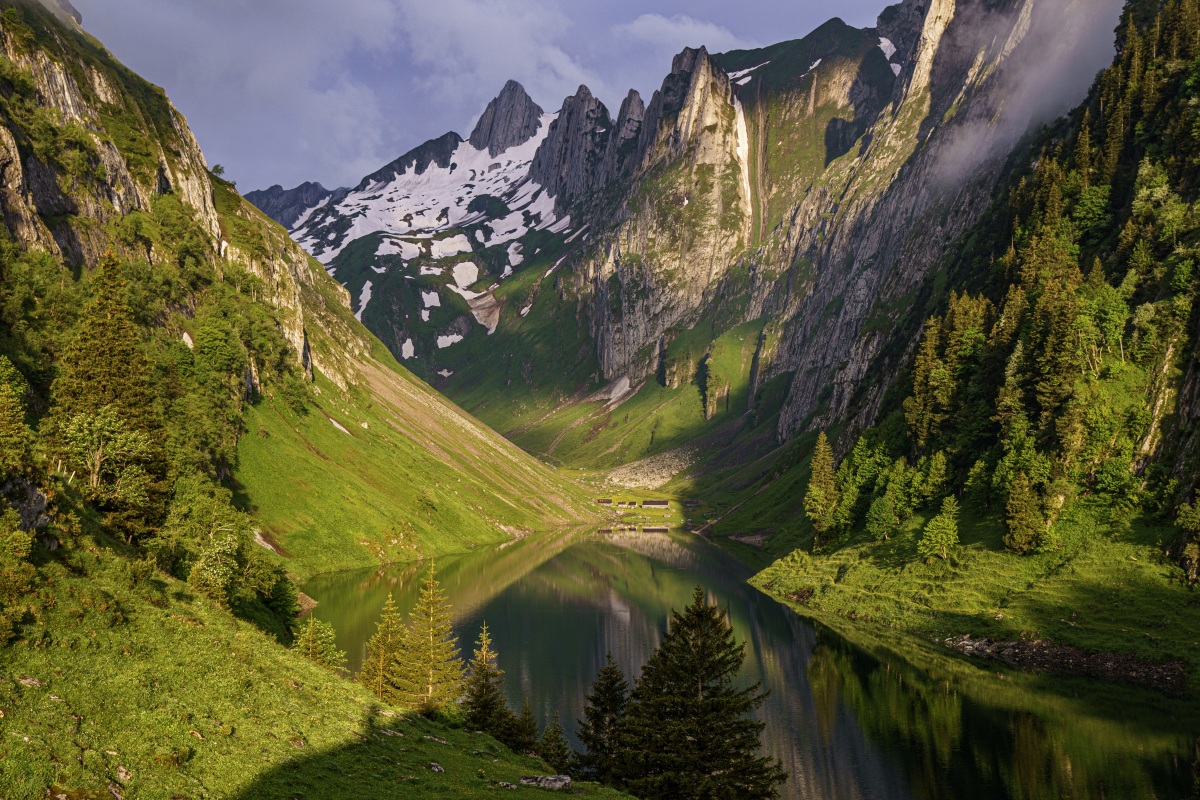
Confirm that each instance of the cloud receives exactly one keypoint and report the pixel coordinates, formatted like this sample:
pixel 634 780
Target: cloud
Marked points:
pixel 464 50
pixel 674 33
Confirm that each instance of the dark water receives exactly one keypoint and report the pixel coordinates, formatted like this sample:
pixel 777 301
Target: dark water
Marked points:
pixel 845 722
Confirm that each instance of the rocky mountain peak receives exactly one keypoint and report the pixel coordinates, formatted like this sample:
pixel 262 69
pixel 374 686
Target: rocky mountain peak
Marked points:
pixel 510 119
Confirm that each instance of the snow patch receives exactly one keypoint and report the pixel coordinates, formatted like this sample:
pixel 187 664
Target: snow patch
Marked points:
pixel 895 68
pixel 425 270
pixel 431 300
pixel 562 226
pixel 398 247
pixel 525 311
pixel 575 235
pixel 815 64
pixel 465 274
pixel 407 349
pixel 514 254
pixel 446 341
pixel 744 81
pixel 445 373
pixel 743 152
pixel 741 72
pixel 887 47
pixel 363 299
pixel 550 271
pixel 424 315
pixel 379 270
pixel 338 425
pixel 448 248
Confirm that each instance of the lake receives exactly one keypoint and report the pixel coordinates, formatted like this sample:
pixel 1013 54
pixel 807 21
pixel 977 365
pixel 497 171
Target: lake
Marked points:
pixel 846 721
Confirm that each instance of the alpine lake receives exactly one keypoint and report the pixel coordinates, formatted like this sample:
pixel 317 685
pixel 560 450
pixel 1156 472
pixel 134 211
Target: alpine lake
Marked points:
pixel 847 719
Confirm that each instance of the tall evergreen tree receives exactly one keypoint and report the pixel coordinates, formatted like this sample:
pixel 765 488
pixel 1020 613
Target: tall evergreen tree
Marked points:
pixel 520 732
pixel 686 732
pixel 383 652
pixel 940 536
pixel 316 642
pixel 1023 515
pixel 600 727
pixel 103 398
pixel 552 747
pixel 483 697
pixel 821 499
pixel 430 673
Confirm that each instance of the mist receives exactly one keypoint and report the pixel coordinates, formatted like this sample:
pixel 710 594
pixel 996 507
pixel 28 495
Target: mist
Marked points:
pixel 1055 50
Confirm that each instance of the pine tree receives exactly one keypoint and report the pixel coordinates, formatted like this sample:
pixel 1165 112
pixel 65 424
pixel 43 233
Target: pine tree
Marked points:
pixel 483 698
pixel 383 652
pixel 686 732
pixel 600 727
pixel 882 519
pixel 520 732
pixel 552 748
pixel 317 642
pixel 103 391
pixel 430 674
pixel 1023 515
pixel 821 499
pixel 941 533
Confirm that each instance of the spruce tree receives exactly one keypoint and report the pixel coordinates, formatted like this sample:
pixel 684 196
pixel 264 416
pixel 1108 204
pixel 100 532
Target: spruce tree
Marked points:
pixel 882 519
pixel 687 731
pixel 600 727
pixel 941 533
pixel 821 499
pixel 430 673
pixel 1023 516
pixel 552 747
pixel 383 651
pixel 104 389
pixel 483 697
pixel 16 440
pixel 520 733
pixel 316 641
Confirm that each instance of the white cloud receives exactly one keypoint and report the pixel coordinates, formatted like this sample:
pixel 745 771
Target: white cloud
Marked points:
pixel 679 31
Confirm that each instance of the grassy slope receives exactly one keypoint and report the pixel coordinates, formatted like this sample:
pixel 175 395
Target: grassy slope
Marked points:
pixel 420 479
pixel 193 703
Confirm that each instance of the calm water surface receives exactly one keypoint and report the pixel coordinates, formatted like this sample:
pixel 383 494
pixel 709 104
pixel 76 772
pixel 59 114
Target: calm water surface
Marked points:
pixel 845 723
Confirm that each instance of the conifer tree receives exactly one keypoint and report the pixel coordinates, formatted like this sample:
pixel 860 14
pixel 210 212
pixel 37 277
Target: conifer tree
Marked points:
pixel 941 533
pixel 483 697
pixel 686 732
pixel 552 747
pixel 316 641
pixel 520 732
pixel 882 519
pixel 600 727
pixel 821 499
pixel 383 652
pixel 1023 516
pixel 103 394
pixel 430 673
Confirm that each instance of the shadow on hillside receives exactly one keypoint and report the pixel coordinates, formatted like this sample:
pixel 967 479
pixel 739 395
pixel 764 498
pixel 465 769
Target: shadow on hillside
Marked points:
pixel 392 759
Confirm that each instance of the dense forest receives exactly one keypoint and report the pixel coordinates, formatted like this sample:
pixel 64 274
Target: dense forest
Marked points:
pixel 1050 379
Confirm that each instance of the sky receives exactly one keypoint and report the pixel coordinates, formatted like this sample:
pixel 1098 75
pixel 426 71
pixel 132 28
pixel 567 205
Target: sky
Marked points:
pixel 287 91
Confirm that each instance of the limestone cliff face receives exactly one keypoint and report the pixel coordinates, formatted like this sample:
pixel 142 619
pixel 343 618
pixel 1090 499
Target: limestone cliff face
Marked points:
pixel 120 145
pixel 877 236
pixel 682 221
pixel 511 119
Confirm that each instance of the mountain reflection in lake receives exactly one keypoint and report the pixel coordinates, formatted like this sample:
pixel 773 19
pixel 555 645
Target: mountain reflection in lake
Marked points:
pixel 845 723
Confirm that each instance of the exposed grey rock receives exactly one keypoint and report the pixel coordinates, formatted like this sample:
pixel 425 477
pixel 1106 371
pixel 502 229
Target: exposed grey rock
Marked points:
pixel 286 206
pixel 510 119
pixel 552 782
pixel 571 161
pixel 435 151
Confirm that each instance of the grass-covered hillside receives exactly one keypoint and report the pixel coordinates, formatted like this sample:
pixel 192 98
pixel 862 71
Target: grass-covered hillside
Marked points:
pixel 191 418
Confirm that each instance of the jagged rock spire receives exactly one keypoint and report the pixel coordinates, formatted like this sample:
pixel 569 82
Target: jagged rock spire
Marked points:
pixel 511 119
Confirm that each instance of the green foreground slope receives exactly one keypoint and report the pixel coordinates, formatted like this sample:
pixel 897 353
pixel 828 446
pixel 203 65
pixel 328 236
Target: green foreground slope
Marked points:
pixel 136 684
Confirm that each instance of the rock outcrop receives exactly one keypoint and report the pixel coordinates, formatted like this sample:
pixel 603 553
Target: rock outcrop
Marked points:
pixel 510 120
pixel 287 206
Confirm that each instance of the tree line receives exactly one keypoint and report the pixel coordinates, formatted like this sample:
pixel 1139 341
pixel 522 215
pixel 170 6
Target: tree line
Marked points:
pixel 682 731
pixel 1053 375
